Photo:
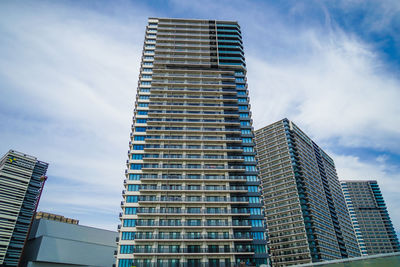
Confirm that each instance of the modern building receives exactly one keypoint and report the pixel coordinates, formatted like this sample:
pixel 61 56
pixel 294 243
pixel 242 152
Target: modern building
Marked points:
pixel 370 218
pixel 306 214
pixel 54 243
pixel 55 217
pixel 21 180
pixel 191 193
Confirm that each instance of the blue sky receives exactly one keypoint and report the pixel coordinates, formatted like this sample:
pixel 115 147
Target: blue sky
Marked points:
pixel 69 72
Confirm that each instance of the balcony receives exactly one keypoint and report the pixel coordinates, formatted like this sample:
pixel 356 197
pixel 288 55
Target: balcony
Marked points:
pixel 236 200
pixel 192 251
pixel 192 147
pixel 193 177
pixel 193 188
pixel 232 212
pixel 179 224
pixel 200 237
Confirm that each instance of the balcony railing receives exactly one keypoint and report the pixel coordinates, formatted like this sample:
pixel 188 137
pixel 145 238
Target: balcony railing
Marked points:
pixel 192 250
pixel 202 211
pixel 191 224
pixel 195 188
pixel 188 236
pixel 188 177
pixel 192 199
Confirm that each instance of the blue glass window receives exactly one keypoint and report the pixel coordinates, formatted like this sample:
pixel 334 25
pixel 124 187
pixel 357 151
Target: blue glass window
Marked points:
pixel 254 199
pixel 255 211
pixel 141 120
pixel 251 168
pixel 134 176
pixel 131 199
pixel 125 263
pixel 143 105
pixel 257 223
pixel 244 115
pixel 257 235
pixel 246 131
pixel 239 85
pixel 242 100
pixel 130 222
pixel 252 178
pixel 239 79
pixel 259 248
pixel 144 97
pixel 241 92
pixel 136 166
pixel 139 137
pixel 239 73
pixel 247 140
pixel 248 149
pixel 145 83
pixel 249 158
pixel 126 249
pixel 252 188
pixel 242 107
pixel 148 63
pixel 140 129
pixel 144 90
pixel 142 112
pixel 147 70
pixel 146 76
pixel 128 235
pixel 133 187
pixel 244 123
pixel 137 156
pixel 138 147
pixel 148 57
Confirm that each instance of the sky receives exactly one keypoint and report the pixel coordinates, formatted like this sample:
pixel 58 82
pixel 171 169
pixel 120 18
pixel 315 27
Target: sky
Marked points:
pixel 69 73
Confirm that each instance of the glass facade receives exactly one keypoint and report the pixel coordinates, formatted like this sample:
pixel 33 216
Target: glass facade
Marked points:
pixel 192 195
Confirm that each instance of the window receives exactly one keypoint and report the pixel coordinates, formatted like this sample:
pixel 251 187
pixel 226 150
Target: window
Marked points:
pixel 259 248
pixel 150 46
pixel 240 92
pixel 247 140
pixel 144 90
pixel 244 123
pixel 141 121
pixel 143 105
pixel 248 149
pixel 126 249
pixel 254 199
pixel 148 57
pixel 139 137
pixel 146 76
pixel 251 168
pixel 128 235
pixel 133 187
pixel 249 158
pixel 257 223
pixel 239 79
pixel 147 70
pixel 239 86
pixel 138 147
pixel 125 263
pixel 257 235
pixel 136 166
pixel 255 211
pixel 144 97
pixel 148 63
pixel 246 131
pixel 252 178
pixel 130 222
pixel 252 188
pixel 239 73
pixel 244 115
pixel 140 129
pixel 142 112
pixel 131 199
pixel 242 100
pixel 242 107
pixel 137 156
pixel 134 176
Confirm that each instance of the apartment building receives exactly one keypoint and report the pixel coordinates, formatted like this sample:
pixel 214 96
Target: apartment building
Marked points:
pixel 370 217
pixel 21 179
pixel 305 211
pixel 191 193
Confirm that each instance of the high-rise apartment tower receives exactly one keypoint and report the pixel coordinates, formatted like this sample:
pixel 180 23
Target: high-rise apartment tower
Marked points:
pixel 20 185
pixel 371 221
pixel 306 215
pixel 191 193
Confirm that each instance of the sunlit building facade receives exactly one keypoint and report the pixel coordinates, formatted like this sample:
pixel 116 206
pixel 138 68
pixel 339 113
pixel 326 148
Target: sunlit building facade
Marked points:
pixel 370 217
pixel 305 211
pixel 191 193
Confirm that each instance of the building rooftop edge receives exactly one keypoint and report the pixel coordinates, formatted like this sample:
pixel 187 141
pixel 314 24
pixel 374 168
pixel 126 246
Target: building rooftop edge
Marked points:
pixel 233 21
